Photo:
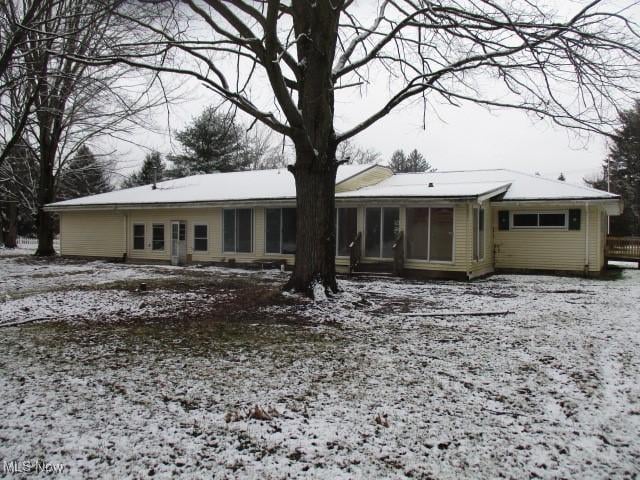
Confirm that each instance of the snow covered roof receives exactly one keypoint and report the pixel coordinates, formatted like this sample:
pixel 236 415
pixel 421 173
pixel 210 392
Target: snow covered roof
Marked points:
pixel 279 185
pixel 213 187
pixel 515 186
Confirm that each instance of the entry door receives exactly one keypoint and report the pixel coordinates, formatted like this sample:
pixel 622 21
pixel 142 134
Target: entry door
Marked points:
pixel 178 242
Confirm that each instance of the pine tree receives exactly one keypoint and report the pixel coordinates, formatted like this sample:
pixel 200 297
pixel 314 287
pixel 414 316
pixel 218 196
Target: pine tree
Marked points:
pixel 414 162
pixel 83 175
pixel 153 169
pixel 213 142
pixel 622 170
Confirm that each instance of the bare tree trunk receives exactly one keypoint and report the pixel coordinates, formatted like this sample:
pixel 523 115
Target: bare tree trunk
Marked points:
pixel 46 194
pixel 12 232
pixel 315 227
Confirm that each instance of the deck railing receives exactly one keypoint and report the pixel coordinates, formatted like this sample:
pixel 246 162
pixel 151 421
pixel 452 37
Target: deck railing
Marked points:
pixel 355 253
pixel 622 248
pixel 398 254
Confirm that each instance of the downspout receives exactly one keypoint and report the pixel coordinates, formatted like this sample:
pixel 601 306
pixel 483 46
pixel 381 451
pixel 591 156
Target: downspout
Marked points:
pixel 586 239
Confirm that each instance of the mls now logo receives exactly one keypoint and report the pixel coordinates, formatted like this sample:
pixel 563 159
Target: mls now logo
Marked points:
pixel 36 466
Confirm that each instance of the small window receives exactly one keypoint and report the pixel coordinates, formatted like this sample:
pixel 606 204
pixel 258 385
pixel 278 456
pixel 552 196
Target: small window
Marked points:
pixel 524 220
pixel 200 238
pixel 138 236
pixel 237 228
pixel 548 220
pixel 158 236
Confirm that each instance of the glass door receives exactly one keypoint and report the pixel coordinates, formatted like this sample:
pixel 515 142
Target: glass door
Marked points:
pixel 382 226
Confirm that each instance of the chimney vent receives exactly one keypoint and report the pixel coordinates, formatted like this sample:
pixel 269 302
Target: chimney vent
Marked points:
pixel 430 185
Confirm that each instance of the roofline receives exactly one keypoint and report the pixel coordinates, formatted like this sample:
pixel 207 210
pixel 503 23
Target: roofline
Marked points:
pixel 370 167
pixel 612 198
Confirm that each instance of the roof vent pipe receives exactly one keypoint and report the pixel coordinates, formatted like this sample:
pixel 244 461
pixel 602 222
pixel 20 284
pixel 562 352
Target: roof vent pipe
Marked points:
pixel 430 185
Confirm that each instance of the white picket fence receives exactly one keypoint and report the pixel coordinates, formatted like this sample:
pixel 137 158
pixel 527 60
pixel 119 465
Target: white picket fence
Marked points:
pixel 32 243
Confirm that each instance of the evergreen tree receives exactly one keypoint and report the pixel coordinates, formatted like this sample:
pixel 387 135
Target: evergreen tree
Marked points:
pixel 83 175
pixel 622 168
pixel 414 162
pixel 213 142
pixel 153 166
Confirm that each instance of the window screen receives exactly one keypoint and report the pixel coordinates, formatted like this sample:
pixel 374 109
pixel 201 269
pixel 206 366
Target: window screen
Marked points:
pixel 138 237
pixel 158 236
pixel 200 238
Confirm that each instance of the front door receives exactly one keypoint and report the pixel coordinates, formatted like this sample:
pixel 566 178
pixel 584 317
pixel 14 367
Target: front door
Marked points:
pixel 178 242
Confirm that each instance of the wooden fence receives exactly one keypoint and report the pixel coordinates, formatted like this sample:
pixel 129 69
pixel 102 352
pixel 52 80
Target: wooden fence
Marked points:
pixel 623 248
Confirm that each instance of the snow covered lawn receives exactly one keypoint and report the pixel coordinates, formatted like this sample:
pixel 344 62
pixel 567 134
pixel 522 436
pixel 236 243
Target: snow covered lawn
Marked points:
pixel 213 372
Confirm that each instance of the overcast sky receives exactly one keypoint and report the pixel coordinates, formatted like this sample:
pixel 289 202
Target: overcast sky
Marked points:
pixel 465 137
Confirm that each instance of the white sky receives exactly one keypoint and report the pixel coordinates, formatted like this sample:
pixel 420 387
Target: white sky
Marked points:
pixel 468 137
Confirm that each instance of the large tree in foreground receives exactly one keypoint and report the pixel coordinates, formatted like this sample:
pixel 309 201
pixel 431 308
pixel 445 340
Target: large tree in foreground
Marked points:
pixel 287 63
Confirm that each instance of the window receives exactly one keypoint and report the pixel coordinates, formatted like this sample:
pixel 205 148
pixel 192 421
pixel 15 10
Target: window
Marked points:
pixel 280 230
pixel 200 238
pixel 138 236
pixel 540 220
pixel 382 226
pixel 238 230
pixel 478 233
pixel 430 234
pixel 347 229
pixel 157 242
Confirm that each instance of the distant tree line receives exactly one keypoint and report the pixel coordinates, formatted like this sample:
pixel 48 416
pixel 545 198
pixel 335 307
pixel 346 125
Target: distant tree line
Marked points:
pixel 621 172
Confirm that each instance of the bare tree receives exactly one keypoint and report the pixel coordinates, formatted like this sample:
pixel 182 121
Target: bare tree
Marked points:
pixel 573 69
pixel 349 152
pixel 69 102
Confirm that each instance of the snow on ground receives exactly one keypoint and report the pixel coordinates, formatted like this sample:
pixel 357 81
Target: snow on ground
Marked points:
pixel 350 387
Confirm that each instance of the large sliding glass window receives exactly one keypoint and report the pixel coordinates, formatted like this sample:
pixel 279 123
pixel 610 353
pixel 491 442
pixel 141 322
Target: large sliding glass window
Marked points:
pixel 430 234
pixel 237 230
pixel 382 226
pixel 441 235
pixel 280 230
pixel 347 229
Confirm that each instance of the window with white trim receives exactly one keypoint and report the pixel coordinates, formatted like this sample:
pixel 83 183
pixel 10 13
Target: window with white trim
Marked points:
pixel 478 233
pixel 157 241
pixel 237 226
pixel 547 220
pixel 200 237
pixel 138 236
pixel 280 230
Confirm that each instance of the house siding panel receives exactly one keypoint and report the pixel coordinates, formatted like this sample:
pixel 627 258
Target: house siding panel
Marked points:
pixel 555 250
pixel 92 234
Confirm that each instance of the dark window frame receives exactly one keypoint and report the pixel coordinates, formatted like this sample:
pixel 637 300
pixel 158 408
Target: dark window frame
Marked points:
pixel 157 244
pixel 539 215
pixel 281 230
pixel 197 237
pixel 136 237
